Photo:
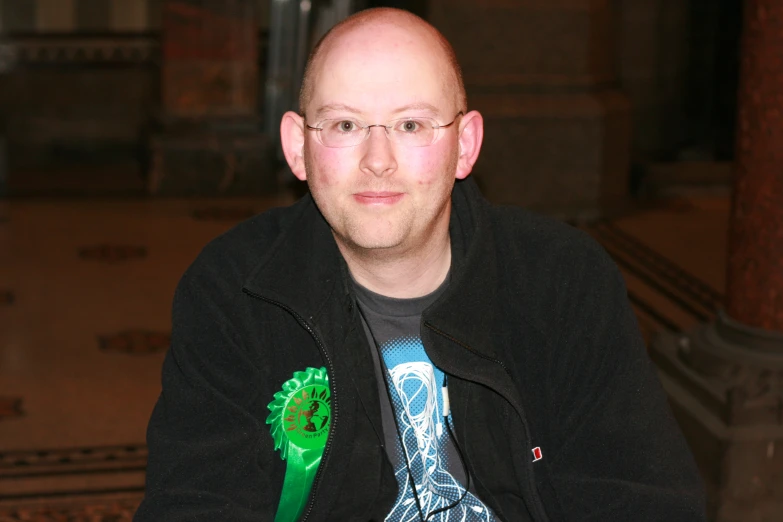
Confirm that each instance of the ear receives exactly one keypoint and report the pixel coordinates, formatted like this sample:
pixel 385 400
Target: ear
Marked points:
pixel 471 134
pixel 292 139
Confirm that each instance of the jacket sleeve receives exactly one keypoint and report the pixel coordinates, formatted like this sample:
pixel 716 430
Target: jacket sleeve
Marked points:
pixel 619 453
pixel 205 435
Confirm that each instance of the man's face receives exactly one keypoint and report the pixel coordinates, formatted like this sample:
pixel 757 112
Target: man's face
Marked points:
pixel 380 194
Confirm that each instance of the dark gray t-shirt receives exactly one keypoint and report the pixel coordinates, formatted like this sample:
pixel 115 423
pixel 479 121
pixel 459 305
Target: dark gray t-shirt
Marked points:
pixel 412 406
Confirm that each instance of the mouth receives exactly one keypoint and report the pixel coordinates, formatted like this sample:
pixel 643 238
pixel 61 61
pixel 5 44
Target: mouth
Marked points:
pixel 378 198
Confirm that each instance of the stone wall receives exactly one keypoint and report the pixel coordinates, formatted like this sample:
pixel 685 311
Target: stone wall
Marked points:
pixel 653 58
pixel 570 88
pixel 82 82
pixel 543 73
pixel 79 16
pixel 76 115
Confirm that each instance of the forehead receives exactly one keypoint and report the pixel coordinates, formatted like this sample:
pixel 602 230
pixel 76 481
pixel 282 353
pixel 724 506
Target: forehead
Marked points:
pixel 380 68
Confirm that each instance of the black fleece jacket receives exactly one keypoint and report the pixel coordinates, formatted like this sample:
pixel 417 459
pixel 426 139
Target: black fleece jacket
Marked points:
pixel 535 332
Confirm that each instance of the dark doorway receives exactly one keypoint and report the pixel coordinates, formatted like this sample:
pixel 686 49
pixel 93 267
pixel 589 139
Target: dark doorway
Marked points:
pixel 713 77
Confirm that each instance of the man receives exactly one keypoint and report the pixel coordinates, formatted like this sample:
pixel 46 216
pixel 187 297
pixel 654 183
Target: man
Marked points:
pixel 393 347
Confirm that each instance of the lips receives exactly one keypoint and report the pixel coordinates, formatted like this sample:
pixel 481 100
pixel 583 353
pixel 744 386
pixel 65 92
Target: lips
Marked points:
pixel 378 198
pixel 385 194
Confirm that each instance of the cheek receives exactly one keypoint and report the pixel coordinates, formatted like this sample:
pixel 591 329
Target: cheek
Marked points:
pixel 431 164
pixel 329 167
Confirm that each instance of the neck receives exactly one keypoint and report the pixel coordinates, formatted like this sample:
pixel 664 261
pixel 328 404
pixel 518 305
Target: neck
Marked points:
pixel 413 273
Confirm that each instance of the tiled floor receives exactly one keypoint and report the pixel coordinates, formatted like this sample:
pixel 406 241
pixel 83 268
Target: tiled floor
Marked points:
pixel 673 258
pixel 85 291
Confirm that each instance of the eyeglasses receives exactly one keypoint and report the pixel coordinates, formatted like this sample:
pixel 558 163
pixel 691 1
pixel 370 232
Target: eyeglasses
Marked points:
pixel 408 132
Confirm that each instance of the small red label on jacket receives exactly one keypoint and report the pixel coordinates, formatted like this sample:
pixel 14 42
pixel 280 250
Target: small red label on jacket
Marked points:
pixel 537 454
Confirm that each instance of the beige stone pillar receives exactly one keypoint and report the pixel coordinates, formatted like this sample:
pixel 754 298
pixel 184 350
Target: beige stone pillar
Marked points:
pixel 543 74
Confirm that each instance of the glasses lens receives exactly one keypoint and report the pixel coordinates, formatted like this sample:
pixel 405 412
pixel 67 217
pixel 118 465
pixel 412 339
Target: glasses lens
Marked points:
pixel 413 132
pixel 341 133
pixel 409 132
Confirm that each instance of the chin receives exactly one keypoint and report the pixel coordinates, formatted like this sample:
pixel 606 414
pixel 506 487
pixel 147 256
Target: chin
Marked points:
pixel 373 239
pixel 375 243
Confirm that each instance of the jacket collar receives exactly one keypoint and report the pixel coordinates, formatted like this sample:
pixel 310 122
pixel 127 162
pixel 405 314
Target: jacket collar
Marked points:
pixel 465 311
pixel 304 269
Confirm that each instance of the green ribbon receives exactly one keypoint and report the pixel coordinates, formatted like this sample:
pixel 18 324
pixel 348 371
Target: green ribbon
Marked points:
pixel 299 424
pixel 299 474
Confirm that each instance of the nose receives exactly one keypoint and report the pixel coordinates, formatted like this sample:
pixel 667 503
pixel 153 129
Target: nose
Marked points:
pixel 378 158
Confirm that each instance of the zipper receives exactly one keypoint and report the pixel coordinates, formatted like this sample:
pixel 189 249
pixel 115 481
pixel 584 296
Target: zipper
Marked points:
pixel 529 469
pixel 324 458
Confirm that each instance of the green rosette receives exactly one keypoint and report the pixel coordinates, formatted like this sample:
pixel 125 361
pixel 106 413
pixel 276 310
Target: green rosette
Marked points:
pixel 299 424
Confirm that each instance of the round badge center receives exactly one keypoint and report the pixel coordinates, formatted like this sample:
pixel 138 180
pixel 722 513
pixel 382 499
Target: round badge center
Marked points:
pixel 307 416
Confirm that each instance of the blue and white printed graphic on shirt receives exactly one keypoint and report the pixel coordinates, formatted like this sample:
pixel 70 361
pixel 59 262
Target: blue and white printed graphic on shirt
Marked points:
pixel 416 392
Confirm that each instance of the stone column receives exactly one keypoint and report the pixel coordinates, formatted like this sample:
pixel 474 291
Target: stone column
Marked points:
pixel 652 50
pixel 543 74
pixel 725 379
pixel 755 268
pixel 210 141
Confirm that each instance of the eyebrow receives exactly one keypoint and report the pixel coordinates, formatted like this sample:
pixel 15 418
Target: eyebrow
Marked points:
pixel 417 106
pixel 336 107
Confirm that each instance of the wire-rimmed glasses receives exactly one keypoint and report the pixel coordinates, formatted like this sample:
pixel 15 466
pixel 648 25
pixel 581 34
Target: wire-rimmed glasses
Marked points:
pixel 409 132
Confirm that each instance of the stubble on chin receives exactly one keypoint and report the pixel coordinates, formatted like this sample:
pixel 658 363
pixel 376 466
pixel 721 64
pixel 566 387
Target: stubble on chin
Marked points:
pixel 366 234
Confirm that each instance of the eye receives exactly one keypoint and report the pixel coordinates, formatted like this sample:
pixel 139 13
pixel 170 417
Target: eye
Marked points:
pixel 346 126
pixel 409 126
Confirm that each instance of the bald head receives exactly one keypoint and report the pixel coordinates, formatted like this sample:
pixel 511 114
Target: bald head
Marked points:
pixel 389 21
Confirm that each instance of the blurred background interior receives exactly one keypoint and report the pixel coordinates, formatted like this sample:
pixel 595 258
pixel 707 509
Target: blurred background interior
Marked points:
pixel 132 132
